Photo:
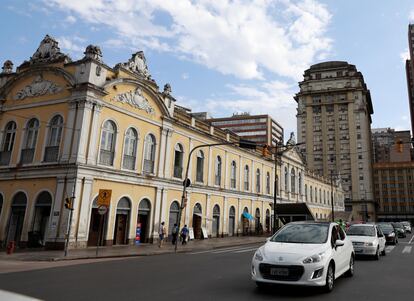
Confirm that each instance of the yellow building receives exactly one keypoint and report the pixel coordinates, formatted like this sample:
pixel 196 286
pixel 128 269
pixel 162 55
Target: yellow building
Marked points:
pixel 73 128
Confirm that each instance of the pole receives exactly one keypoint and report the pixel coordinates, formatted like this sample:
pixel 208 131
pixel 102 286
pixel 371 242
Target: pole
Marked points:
pixel 332 200
pixel 102 216
pixel 68 232
pixel 275 193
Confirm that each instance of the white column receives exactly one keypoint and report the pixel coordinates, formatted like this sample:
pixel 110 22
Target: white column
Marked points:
pixel 93 144
pixel 225 227
pixel 241 176
pixel 81 133
pixel 187 210
pixel 56 210
pixel 252 177
pixel 157 213
pixel 190 163
pixel 208 214
pixel 168 154
pixel 164 207
pixel 162 152
pixel 226 170
pixel 69 127
pixel 209 179
pixel 263 214
pixel 238 216
pixel 85 210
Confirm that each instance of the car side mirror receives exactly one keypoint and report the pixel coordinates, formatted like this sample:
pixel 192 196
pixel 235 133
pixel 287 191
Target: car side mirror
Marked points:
pixel 339 243
pixel 267 239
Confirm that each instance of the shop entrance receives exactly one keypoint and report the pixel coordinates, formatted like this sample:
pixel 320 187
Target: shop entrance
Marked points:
pixel 144 210
pixel 197 218
pixel 245 221
pixel 215 231
pixel 121 221
pixel 95 233
pixel 258 225
pixel 232 215
pixel 173 219
pixel 17 214
pixel 41 220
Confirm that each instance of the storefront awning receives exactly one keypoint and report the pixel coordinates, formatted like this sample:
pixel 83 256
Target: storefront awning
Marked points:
pixel 248 215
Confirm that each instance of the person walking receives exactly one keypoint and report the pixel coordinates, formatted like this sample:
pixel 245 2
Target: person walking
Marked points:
pixel 161 233
pixel 184 234
pixel 174 234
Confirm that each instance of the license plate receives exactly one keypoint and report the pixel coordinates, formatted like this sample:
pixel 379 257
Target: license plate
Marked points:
pixel 279 272
pixel 358 250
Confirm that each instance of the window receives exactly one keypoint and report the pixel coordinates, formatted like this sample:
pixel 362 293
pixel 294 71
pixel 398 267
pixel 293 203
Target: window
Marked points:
pixel 292 181
pixel 108 143
pixel 286 179
pixel 300 183
pixel 268 183
pixel 258 180
pixel 306 193
pixel 53 141
pixel 200 167
pixel 149 154
pixel 277 185
pixel 178 161
pixel 311 193
pixel 246 177
pixel 7 144
pixel 233 174
pixel 316 195
pixel 29 145
pixel 130 149
pixel 218 171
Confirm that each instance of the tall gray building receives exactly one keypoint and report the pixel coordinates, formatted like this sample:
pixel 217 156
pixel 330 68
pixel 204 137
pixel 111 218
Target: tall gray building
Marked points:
pixel 334 123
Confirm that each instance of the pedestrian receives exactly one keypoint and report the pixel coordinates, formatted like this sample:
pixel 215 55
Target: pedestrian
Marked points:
pixel 161 233
pixel 174 234
pixel 184 234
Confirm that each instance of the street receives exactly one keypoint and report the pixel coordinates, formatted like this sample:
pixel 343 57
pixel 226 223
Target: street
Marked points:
pixel 220 274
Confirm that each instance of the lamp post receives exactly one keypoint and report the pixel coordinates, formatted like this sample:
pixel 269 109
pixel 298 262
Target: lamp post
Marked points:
pixel 186 183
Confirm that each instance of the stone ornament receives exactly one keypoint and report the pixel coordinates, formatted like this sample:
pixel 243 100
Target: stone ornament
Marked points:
pixel 167 89
pixel 138 64
pixel 48 51
pixel 93 52
pixel 38 87
pixel 7 67
pixel 292 140
pixel 135 99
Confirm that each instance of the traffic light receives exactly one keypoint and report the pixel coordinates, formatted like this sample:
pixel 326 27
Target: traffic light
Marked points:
pixel 68 203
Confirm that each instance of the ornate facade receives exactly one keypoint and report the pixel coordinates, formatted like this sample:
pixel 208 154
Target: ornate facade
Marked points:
pixel 70 128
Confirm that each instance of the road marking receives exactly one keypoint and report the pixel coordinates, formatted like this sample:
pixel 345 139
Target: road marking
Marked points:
pixel 388 249
pixel 217 251
pixel 248 250
pixel 232 250
pixel 411 240
pixel 407 250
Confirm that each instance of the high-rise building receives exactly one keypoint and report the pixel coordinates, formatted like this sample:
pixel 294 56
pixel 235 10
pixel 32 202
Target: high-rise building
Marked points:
pixel 261 129
pixel 409 68
pixel 334 123
pixel 389 145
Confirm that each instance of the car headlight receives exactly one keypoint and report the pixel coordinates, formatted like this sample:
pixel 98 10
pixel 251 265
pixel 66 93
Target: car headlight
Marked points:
pixel 314 258
pixel 258 255
pixel 369 244
pixel 392 234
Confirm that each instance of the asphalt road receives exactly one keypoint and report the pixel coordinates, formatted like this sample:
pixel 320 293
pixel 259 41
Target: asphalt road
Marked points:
pixel 210 275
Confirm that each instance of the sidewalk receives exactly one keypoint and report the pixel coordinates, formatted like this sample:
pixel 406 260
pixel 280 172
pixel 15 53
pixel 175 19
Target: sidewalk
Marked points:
pixel 130 251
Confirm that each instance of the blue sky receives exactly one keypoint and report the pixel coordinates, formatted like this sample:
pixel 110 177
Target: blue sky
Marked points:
pixel 229 56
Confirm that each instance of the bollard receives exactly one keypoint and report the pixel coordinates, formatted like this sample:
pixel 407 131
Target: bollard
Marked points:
pixel 10 247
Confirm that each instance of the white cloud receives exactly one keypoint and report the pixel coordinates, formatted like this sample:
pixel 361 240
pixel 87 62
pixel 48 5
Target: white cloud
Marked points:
pixel 185 76
pixel 405 55
pixel 241 38
pixel 73 45
pixel 70 19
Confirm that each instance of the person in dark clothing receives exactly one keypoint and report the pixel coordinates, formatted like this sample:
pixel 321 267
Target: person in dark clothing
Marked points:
pixel 184 234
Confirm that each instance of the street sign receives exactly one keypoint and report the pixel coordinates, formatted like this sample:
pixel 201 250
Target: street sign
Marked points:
pixel 102 210
pixel 187 182
pixel 104 197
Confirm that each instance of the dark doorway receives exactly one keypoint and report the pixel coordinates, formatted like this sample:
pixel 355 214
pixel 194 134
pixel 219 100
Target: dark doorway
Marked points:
pixel 121 222
pixel 43 207
pixel 267 220
pixel 232 215
pixel 216 221
pixel 16 220
pixel 144 210
pixel 197 218
pixel 173 218
pixel 245 222
pixel 97 221
pixel 258 225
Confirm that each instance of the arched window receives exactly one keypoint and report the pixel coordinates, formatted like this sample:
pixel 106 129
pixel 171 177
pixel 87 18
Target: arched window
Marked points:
pixel 268 183
pixel 108 139
pixel 233 174
pixel 200 167
pixel 53 141
pixel 246 177
pixel 320 195
pixel 311 194
pixel 218 171
pixel 316 195
pixel 300 183
pixel 292 181
pixel 306 193
pixel 324 197
pixel 130 149
pixel 173 217
pixel 8 142
pixel 258 179
pixel 149 154
pixel 178 161
pixel 277 184
pixel 29 145
pixel 286 180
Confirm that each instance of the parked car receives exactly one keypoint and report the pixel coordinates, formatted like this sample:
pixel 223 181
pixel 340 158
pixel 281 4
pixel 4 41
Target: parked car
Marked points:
pixel 399 228
pixel 391 236
pixel 367 239
pixel 407 226
pixel 304 253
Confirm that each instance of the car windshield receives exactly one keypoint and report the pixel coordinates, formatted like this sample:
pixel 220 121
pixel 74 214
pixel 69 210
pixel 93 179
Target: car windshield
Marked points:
pixel 302 234
pixel 386 228
pixel 361 231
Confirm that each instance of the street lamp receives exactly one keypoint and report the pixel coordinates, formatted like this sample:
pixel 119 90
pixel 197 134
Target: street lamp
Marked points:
pixel 186 183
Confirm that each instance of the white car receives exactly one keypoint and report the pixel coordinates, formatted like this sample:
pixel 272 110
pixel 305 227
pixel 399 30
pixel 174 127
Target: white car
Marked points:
pixel 367 240
pixel 304 253
pixel 407 226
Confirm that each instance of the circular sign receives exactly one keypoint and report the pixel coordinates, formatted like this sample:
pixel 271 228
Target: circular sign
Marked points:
pixel 187 182
pixel 102 210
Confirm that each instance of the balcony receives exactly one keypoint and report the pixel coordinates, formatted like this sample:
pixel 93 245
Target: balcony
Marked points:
pixel 51 153
pixel 178 172
pixel 5 157
pixel 106 157
pixel 148 166
pixel 27 156
pixel 129 162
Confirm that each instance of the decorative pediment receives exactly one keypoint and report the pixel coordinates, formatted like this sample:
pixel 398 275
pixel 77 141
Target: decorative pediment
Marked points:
pixel 136 99
pixel 93 52
pixel 7 67
pixel 48 51
pixel 38 87
pixel 138 64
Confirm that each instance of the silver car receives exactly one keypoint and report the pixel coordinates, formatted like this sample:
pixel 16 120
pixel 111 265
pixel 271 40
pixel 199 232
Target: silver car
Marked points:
pixel 367 239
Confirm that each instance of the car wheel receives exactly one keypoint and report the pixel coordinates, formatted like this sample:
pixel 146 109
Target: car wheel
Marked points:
pixel 350 272
pixel 330 278
pixel 377 254
pixel 396 241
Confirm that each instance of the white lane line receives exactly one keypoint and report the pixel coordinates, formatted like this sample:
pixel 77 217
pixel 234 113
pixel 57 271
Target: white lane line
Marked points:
pixel 388 249
pixel 234 249
pixel 407 250
pixel 411 240
pixel 248 250
pixel 219 250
